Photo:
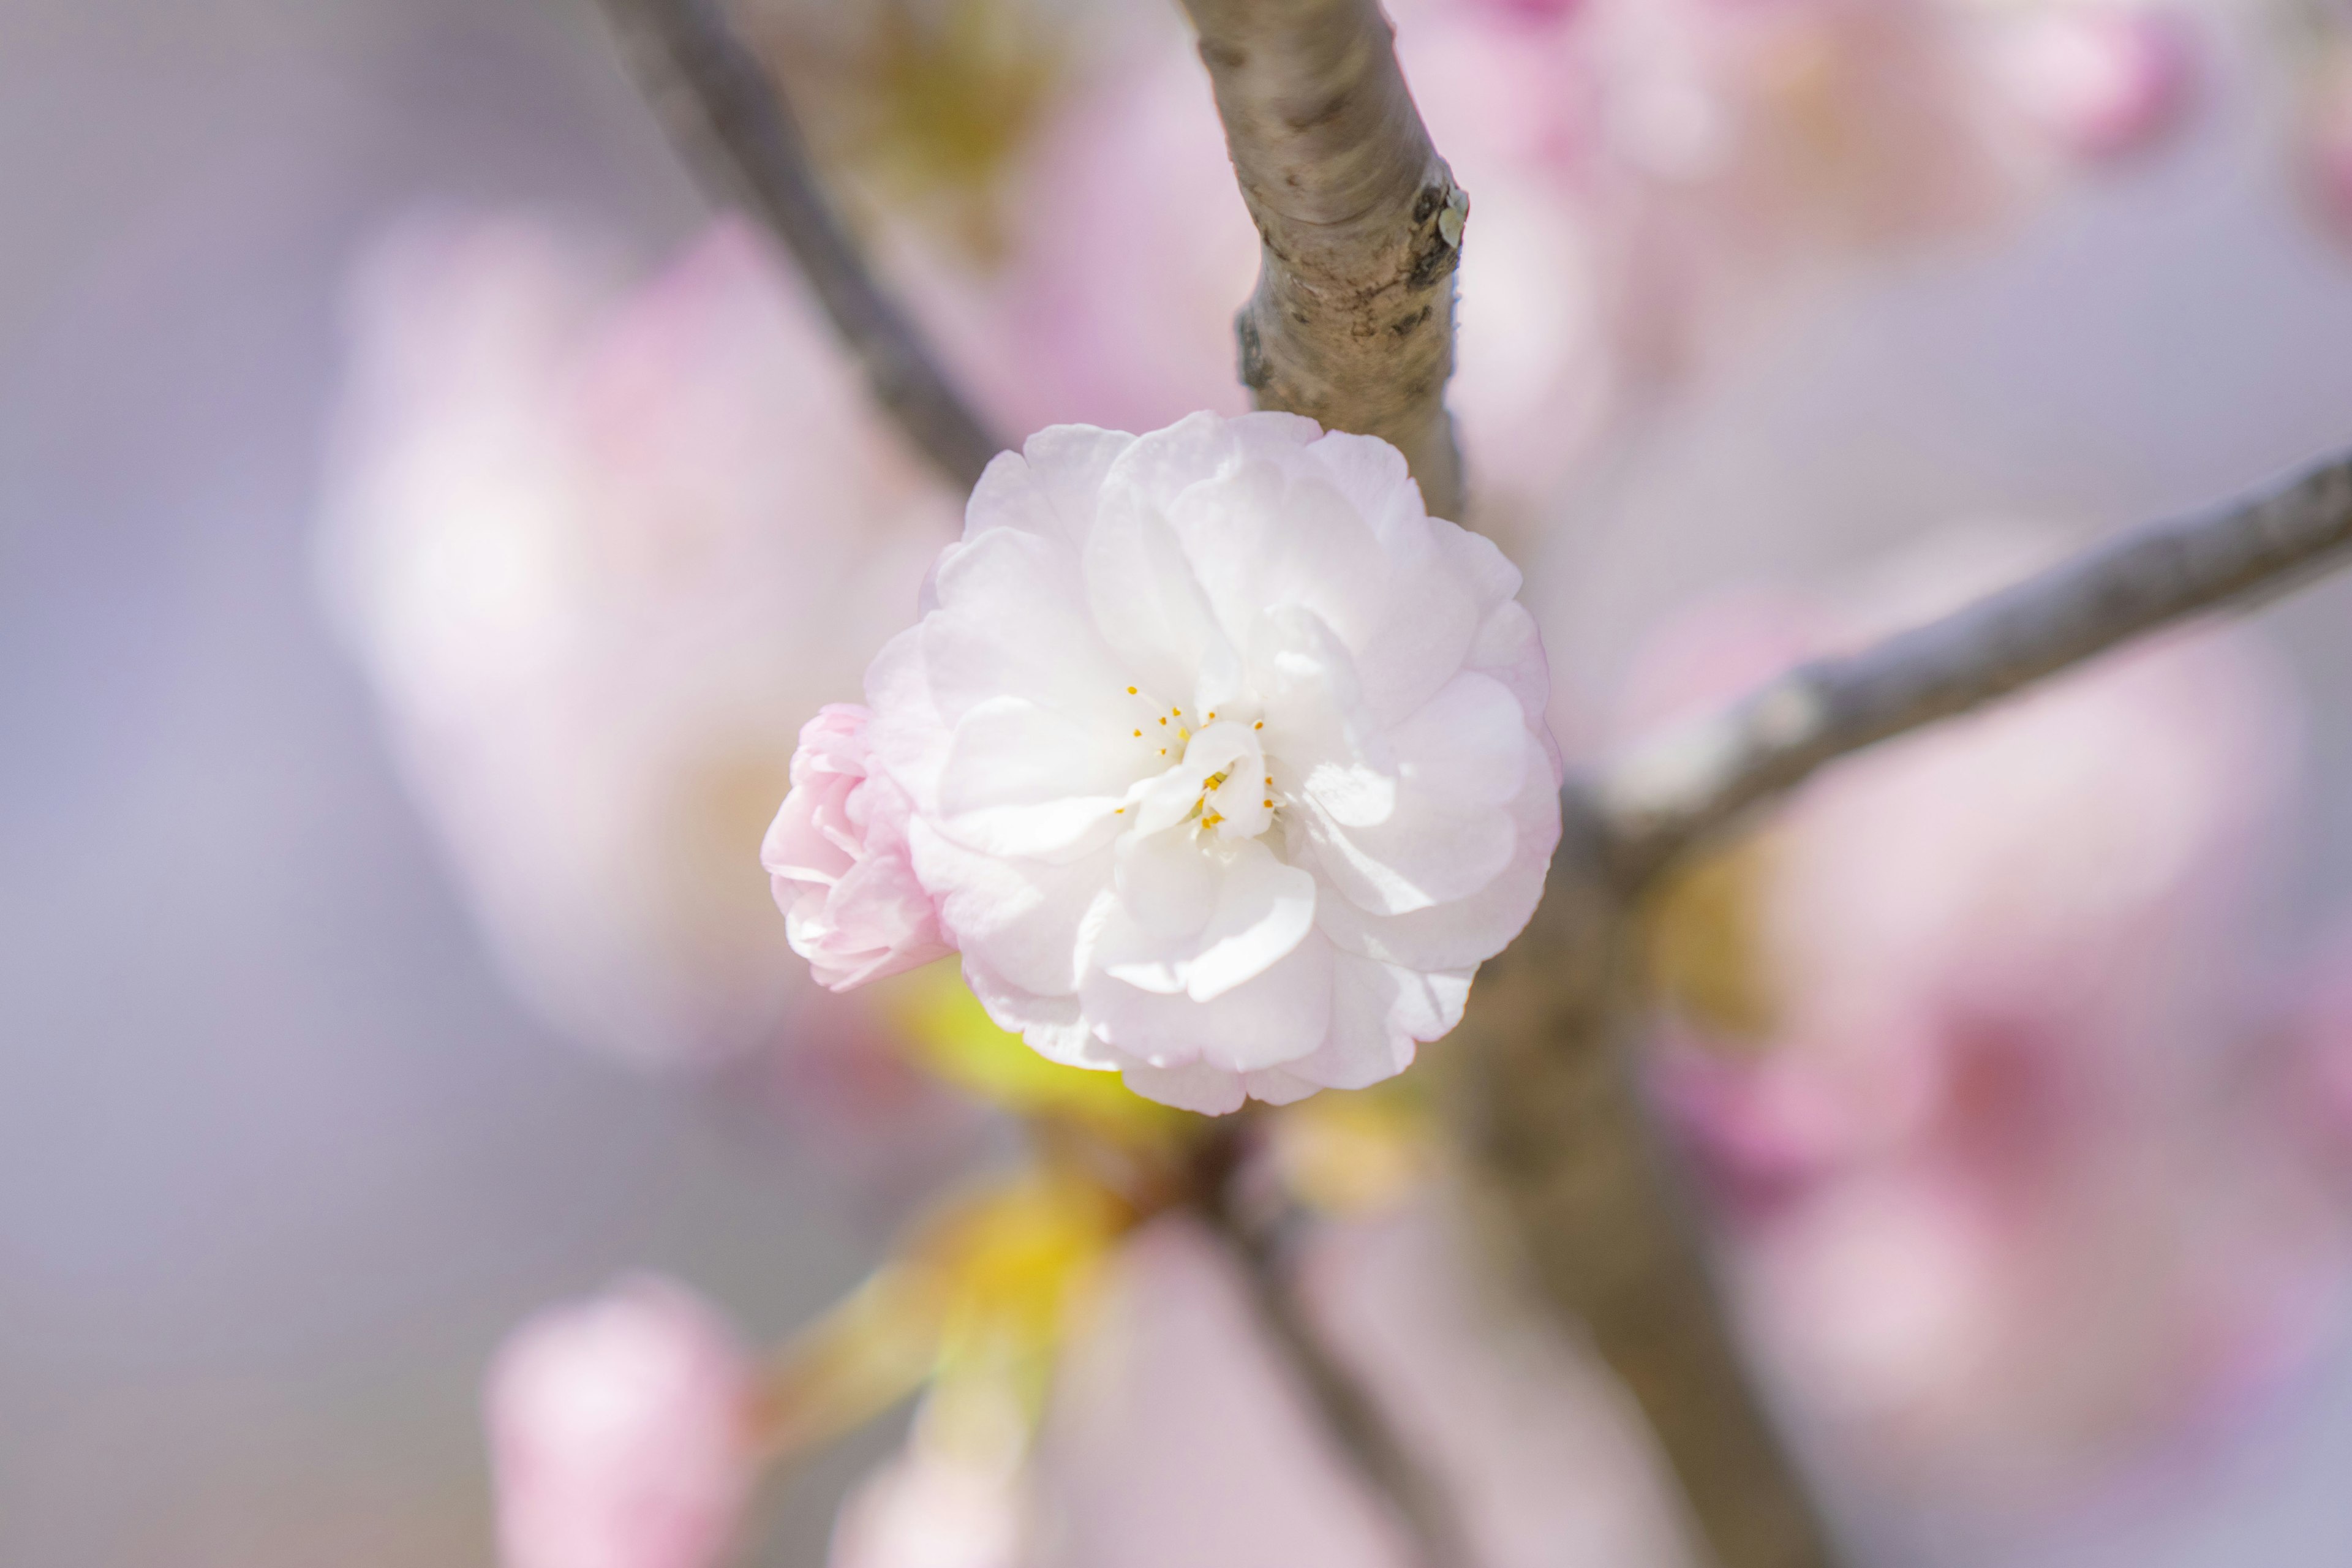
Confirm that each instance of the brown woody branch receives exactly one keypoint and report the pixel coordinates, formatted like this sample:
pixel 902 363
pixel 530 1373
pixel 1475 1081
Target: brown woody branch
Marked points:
pixel 726 106
pixel 1545 1086
pixel 1348 1414
pixel 1673 792
pixel 1352 324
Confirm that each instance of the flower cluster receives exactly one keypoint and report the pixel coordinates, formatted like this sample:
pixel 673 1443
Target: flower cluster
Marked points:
pixel 1221 761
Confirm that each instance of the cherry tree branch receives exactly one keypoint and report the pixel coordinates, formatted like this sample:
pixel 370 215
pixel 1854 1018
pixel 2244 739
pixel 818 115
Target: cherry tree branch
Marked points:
pixel 1349 1415
pixel 1352 322
pixel 722 101
pixel 1670 794
pixel 1545 1086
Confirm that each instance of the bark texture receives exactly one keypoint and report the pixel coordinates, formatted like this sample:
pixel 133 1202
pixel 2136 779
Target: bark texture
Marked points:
pixel 1352 322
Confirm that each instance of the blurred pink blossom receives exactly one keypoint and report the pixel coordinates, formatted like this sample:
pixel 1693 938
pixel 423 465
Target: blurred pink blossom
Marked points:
pixel 619 1433
pixel 956 1497
pixel 2101 78
pixel 600 547
pixel 838 858
pixel 1652 180
pixel 1999 1206
pixel 1128 254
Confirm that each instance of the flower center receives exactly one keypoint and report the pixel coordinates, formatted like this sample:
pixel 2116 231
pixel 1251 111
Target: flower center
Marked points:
pixel 1217 778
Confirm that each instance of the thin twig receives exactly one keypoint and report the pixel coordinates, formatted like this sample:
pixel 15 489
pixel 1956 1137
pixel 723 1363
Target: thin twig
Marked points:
pixel 731 106
pixel 1352 324
pixel 1672 792
pixel 1349 1415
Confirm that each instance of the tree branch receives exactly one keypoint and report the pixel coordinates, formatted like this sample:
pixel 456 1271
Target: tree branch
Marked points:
pixel 1544 1080
pixel 1352 324
pixel 1669 793
pixel 723 102
pixel 1350 1416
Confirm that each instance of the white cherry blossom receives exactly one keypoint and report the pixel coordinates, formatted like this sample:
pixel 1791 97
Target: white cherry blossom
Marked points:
pixel 1227 761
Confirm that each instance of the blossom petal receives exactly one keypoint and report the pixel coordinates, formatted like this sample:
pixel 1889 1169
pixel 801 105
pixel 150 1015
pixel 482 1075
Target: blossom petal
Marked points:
pixel 1275 1017
pixel 1264 909
pixel 1202 920
pixel 1276 1086
pixel 1195 1086
pixel 1053 1027
pixel 1378 1011
pixel 1308 682
pixel 1030 921
pixel 1466 747
pixel 1468 931
pixel 1049 486
pixel 1010 623
pixel 1260 538
pixel 1143 594
pixel 1020 779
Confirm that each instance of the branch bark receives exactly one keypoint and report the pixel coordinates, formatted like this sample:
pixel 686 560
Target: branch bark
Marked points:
pixel 1545 1088
pixel 1669 794
pixel 1352 322
pixel 722 103
pixel 1349 1415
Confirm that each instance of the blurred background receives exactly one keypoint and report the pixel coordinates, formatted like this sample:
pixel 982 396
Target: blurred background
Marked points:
pixel 423 533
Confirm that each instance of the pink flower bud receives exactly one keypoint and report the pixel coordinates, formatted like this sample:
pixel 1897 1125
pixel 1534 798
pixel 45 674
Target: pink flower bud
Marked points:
pixel 838 855
pixel 618 1433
